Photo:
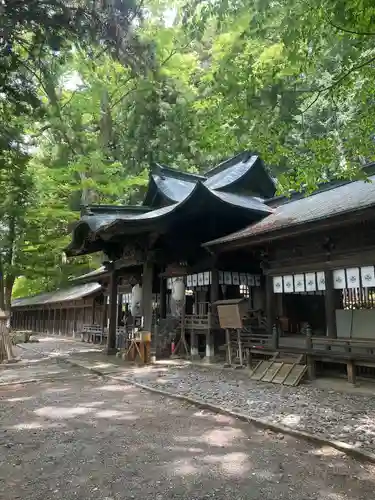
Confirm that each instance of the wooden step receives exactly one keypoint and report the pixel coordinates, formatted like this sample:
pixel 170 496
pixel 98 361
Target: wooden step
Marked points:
pixel 295 375
pixel 293 358
pixel 260 370
pixel 272 371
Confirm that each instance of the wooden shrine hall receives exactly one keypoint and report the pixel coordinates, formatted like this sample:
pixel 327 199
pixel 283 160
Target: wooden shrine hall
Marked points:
pixel 317 255
pixel 303 265
pixel 152 249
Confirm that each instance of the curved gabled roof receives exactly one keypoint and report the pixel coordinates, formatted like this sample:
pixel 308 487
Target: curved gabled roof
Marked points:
pixel 174 185
pixel 171 193
pixel 95 217
pixel 246 168
pixel 229 175
pixel 194 202
pixel 87 234
pixel 172 188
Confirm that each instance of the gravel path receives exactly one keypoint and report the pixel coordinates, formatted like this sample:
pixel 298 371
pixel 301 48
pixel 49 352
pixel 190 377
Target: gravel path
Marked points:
pixel 75 436
pixel 338 416
pixel 334 415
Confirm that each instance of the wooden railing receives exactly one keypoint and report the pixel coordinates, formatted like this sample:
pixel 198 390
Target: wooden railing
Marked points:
pixel 255 337
pixel 92 333
pixel 346 348
pixel 197 322
pixel 201 321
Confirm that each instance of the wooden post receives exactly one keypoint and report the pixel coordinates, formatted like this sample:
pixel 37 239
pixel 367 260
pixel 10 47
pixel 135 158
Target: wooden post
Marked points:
pixel 60 319
pixel 350 369
pixel 104 314
pixel 67 320
pixel 270 313
pixel 229 347
pixel 194 353
pixel 147 279
pixel 214 296
pixel 93 312
pixel 111 340
pixel 54 321
pixel 163 297
pixel 240 347
pixel 311 365
pixel 330 305
pixel 49 320
pixel 74 320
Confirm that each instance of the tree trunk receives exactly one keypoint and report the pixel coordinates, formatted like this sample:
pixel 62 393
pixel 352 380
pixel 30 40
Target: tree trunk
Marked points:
pixel 6 352
pixel 8 288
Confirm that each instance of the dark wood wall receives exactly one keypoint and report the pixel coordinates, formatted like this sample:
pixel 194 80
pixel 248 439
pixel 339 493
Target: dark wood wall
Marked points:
pixel 352 244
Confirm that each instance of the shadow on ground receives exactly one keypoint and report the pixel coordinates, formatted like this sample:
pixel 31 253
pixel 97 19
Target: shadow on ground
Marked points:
pixel 80 437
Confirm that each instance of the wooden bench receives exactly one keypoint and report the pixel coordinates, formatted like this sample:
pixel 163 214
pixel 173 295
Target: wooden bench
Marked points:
pixel 92 333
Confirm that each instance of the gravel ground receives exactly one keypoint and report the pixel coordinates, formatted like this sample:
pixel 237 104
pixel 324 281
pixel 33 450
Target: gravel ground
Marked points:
pixel 76 436
pixel 334 415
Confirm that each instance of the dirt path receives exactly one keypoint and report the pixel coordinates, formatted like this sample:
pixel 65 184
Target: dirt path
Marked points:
pixel 75 436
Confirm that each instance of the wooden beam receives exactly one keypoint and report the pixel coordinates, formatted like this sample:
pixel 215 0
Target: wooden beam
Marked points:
pixel 111 340
pixel 319 262
pixel 93 311
pixel 163 297
pixel 330 305
pixel 271 312
pixel 350 368
pixel 147 280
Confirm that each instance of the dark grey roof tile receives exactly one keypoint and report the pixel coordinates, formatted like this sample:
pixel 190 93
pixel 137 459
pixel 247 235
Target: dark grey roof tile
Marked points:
pixel 231 174
pixel 73 293
pixel 318 206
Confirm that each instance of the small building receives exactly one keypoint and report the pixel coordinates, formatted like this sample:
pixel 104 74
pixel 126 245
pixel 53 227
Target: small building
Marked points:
pixel 317 255
pixel 61 312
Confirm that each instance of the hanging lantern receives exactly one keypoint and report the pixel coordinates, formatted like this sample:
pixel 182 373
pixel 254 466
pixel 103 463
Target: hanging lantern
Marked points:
pixel 178 296
pixel 136 301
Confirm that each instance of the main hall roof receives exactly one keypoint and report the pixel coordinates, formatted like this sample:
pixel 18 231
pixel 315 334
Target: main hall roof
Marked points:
pixel 241 183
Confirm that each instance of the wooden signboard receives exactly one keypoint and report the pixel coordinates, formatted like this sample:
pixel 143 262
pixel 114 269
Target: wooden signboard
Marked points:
pixel 231 312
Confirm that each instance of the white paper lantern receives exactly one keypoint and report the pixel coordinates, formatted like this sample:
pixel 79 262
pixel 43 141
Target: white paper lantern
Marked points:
pixel 136 301
pixel 178 296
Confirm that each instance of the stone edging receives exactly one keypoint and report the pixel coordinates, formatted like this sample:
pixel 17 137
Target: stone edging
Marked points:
pixel 261 423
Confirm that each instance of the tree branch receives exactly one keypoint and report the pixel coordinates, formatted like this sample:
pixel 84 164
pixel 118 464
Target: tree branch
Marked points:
pixel 337 82
pixel 174 52
pixel 346 30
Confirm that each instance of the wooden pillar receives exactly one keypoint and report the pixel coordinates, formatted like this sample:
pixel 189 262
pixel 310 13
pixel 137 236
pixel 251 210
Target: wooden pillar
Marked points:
pixel 311 364
pixel 49 320
pixel 74 320
pixel 104 313
pixel 54 321
pixel 67 320
pixel 330 305
pixel 271 313
pixel 60 319
pixel 93 312
pixel 163 297
pixel 147 280
pixel 111 339
pixel 119 309
pixel 214 296
pixel 214 290
pixel 350 369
